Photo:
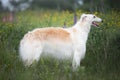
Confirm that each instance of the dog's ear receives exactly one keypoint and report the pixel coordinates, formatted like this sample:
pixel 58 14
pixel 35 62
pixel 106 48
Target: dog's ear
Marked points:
pixel 83 17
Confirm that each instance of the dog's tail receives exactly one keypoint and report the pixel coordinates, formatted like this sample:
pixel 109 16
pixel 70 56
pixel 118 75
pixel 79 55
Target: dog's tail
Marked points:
pixel 29 49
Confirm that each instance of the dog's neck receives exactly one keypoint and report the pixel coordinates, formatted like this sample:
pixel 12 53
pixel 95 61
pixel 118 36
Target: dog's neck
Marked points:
pixel 83 26
pixel 83 30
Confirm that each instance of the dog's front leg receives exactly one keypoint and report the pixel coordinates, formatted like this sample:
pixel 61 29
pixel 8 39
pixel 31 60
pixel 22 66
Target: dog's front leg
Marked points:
pixel 76 60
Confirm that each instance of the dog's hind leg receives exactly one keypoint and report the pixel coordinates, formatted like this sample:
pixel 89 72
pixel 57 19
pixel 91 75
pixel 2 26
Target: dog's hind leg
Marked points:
pixel 30 52
pixel 38 52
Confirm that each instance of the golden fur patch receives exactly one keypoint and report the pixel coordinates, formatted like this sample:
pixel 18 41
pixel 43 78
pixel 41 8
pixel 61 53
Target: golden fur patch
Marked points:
pixel 49 34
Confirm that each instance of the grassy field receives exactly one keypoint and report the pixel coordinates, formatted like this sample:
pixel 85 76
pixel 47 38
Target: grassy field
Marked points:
pixel 102 60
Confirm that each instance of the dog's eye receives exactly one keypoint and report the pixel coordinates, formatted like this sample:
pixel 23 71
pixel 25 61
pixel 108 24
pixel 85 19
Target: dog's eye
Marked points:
pixel 93 16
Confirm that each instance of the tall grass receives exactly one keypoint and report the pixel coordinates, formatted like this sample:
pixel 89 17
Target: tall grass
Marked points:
pixel 102 57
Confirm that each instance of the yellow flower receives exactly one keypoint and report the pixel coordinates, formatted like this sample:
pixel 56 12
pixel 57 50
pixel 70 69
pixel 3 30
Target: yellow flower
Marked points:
pixel 96 13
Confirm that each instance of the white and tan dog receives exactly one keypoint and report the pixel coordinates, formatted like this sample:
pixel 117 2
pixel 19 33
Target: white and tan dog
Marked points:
pixel 60 43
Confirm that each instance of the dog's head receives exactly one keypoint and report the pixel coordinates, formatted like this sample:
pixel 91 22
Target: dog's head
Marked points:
pixel 91 19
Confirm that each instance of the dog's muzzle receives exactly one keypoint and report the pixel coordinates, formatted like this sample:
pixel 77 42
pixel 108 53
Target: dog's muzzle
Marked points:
pixel 96 23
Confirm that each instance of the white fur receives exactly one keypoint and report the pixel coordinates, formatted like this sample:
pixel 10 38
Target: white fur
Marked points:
pixel 74 48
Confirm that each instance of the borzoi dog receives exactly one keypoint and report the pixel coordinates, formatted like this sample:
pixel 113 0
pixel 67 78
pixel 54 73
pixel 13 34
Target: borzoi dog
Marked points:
pixel 60 43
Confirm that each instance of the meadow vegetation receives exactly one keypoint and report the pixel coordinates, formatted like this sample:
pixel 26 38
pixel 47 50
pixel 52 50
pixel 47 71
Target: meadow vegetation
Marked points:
pixel 100 63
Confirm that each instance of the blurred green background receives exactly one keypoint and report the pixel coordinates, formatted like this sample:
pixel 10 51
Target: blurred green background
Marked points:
pixel 102 59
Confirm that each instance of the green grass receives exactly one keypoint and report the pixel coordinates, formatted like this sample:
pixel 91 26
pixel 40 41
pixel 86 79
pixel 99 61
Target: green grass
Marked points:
pixel 100 63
